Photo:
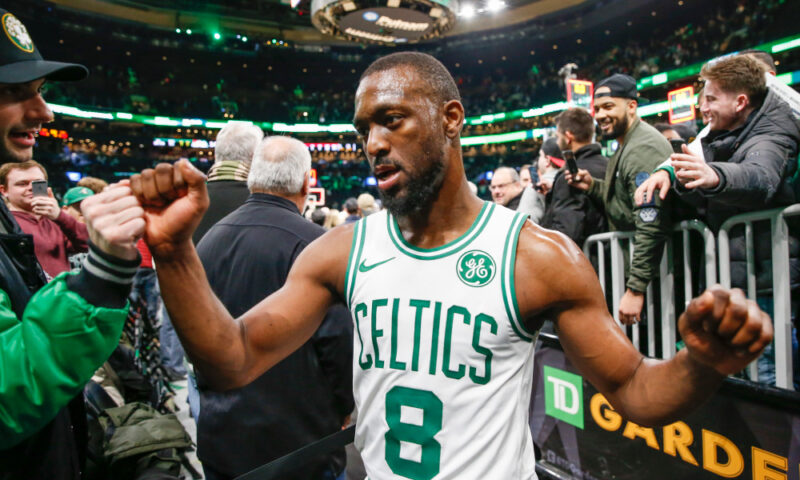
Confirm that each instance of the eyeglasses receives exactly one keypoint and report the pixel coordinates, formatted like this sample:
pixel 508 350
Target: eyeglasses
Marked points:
pixel 499 186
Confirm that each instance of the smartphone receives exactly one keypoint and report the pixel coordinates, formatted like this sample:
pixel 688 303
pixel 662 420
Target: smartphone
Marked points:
pixel 677 145
pixel 534 176
pixel 572 165
pixel 39 188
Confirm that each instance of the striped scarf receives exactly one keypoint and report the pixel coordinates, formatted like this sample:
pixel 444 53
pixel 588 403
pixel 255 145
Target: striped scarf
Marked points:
pixel 228 170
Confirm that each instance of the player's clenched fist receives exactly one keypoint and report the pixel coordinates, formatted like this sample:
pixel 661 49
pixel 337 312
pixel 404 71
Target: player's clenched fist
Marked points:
pixel 115 220
pixel 174 198
pixel 724 330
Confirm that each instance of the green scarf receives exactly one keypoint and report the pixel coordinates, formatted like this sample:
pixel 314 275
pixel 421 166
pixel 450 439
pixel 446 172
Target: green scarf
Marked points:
pixel 228 170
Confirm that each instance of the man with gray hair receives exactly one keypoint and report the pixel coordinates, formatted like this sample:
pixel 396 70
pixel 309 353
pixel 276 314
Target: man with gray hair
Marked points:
pixel 227 189
pixel 247 256
pixel 227 178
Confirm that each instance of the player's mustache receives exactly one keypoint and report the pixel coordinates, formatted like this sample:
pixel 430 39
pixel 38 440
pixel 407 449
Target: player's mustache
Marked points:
pixel 381 161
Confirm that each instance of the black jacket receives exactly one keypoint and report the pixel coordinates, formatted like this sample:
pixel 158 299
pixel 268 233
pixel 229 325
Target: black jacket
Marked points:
pixel 755 164
pixel 225 196
pixel 247 256
pixel 571 211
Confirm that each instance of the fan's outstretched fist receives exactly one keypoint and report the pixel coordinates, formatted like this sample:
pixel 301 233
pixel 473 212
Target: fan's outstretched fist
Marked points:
pixel 174 198
pixel 724 330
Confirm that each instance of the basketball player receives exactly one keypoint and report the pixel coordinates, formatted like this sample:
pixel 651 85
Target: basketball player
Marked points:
pixel 447 293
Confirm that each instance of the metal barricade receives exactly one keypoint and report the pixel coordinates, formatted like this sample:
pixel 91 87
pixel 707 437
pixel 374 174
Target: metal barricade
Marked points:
pixel 661 307
pixel 781 280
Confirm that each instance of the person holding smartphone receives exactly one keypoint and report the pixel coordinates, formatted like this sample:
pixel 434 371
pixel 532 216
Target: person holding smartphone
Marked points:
pixel 571 211
pixel 56 234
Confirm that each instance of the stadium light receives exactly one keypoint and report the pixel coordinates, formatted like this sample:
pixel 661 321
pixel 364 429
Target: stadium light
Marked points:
pixel 495 5
pixel 188 31
pixel 244 39
pixel 177 30
pixel 467 11
pixel 217 36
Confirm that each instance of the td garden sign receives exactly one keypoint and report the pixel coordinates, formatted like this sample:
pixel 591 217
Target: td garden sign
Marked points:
pixel 395 22
pixel 745 432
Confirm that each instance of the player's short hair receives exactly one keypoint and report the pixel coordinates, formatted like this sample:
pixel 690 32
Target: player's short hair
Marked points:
pixel 6 168
pixel 761 56
pixel 236 142
pixel 738 74
pixel 436 76
pixel 578 122
pixel 280 165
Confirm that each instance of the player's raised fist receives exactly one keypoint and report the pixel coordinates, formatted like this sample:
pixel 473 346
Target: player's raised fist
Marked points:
pixel 174 198
pixel 724 330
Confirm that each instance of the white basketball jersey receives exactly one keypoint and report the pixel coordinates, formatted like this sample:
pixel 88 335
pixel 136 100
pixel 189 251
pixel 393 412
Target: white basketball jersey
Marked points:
pixel 442 365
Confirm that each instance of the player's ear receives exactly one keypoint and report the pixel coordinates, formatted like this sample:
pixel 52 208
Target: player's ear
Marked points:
pixel 453 118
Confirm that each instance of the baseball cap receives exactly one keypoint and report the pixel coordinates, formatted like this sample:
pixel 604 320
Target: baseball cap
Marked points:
pixel 620 85
pixel 75 195
pixel 20 60
pixel 552 152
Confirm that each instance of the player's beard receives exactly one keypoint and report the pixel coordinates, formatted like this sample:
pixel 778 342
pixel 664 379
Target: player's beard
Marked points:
pixel 421 189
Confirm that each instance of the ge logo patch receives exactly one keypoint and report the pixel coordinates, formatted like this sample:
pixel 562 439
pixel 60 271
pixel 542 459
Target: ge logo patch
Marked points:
pixel 475 268
pixel 17 33
pixel 370 16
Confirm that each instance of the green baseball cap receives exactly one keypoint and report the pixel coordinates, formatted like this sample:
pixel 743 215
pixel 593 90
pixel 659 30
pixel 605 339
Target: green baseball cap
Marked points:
pixel 20 60
pixel 75 195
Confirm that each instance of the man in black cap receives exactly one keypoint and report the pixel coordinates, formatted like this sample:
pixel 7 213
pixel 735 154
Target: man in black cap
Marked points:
pixel 641 149
pixel 53 336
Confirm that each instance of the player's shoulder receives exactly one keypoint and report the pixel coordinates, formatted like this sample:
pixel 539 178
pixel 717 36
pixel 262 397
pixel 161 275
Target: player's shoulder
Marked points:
pixel 549 270
pixel 543 247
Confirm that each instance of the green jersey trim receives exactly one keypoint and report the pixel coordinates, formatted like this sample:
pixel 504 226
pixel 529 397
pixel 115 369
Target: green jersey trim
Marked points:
pixel 507 278
pixel 447 249
pixel 356 247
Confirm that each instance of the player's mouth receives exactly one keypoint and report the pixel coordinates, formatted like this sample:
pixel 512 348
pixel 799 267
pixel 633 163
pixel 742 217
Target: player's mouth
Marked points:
pixel 605 124
pixel 23 138
pixel 387 176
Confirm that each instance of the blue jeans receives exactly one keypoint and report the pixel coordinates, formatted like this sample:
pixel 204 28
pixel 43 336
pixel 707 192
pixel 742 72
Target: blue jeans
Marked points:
pixel 171 348
pixel 766 362
pixel 145 286
pixel 193 396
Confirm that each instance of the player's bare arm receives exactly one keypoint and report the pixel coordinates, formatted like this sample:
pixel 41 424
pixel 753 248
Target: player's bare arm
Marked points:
pixel 722 330
pixel 231 352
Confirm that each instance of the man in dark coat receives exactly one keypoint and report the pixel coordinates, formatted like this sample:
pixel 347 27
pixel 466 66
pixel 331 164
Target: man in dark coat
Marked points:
pixel 569 210
pixel 247 256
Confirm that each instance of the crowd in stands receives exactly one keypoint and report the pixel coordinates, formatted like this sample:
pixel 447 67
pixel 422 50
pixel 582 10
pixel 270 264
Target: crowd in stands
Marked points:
pixel 294 86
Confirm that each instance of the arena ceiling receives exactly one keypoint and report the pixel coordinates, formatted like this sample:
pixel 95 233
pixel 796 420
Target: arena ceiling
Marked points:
pixel 277 17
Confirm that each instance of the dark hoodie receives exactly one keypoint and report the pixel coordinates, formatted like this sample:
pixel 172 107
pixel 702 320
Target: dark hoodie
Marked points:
pixel 756 164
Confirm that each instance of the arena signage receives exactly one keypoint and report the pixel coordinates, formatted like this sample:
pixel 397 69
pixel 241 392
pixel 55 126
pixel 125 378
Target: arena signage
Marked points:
pixel 581 436
pixel 681 105
pixel 400 24
pixel 399 21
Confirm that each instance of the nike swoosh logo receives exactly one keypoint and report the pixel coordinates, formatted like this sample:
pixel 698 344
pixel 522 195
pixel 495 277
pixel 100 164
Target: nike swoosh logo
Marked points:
pixel 363 268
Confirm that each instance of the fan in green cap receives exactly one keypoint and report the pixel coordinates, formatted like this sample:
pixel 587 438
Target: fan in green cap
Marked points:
pixel 71 203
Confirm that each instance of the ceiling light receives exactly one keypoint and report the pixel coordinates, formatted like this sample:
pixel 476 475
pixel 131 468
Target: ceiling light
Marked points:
pixel 467 11
pixel 495 5
pixel 393 3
